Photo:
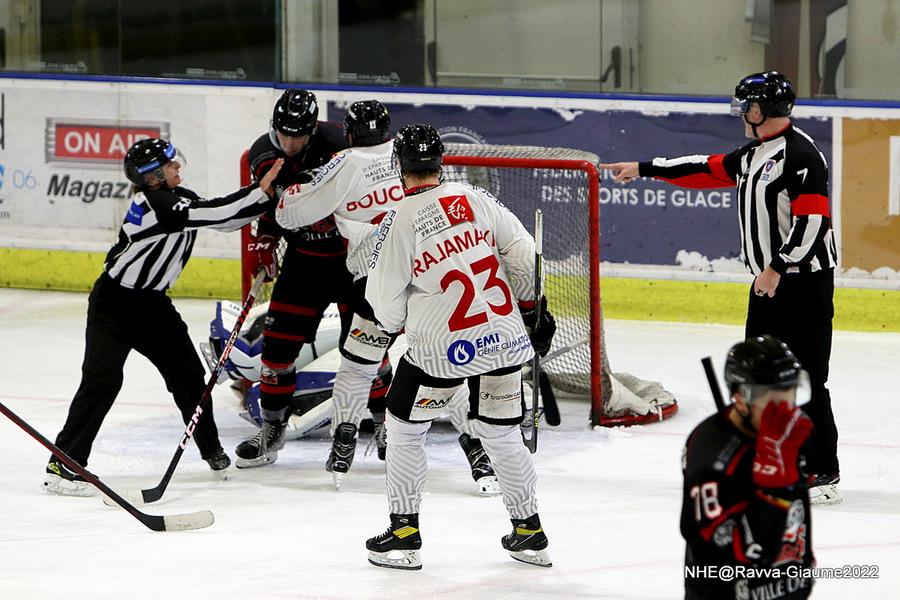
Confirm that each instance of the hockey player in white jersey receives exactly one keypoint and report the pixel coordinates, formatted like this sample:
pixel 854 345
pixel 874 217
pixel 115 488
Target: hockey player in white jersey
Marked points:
pixel 455 269
pixel 358 187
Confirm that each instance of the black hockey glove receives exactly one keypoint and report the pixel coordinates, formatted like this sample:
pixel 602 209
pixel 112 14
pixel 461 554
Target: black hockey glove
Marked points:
pixel 541 333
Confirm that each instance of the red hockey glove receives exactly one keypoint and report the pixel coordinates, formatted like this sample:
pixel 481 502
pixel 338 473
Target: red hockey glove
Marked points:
pixel 261 255
pixel 781 433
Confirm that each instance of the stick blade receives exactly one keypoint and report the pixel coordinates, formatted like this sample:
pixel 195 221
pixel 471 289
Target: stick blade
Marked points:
pixel 548 400
pixel 188 521
pixel 134 497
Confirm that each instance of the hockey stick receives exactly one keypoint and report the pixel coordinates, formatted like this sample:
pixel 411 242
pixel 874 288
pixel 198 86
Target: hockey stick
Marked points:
pixel 155 493
pixel 181 522
pixel 713 382
pixel 548 399
pixel 531 443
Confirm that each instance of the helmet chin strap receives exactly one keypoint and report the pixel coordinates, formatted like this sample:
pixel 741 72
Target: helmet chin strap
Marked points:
pixel 753 126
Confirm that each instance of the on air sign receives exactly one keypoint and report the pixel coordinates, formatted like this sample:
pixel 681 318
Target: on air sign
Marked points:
pixel 96 142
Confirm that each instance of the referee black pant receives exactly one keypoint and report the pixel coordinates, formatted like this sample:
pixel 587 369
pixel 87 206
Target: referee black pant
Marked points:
pixel 120 319
pixel 800 315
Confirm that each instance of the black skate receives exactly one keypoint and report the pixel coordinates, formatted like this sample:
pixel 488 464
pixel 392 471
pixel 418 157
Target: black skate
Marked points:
pixel 61 480
pixel 823 489
pixel 343 446
pixel 482 472
pixel 262 448
pixel 219 461
pixel 398 547
pixel 527 542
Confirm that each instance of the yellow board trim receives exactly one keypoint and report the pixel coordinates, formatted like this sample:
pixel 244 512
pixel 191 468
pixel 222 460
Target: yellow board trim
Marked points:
pixel 636 299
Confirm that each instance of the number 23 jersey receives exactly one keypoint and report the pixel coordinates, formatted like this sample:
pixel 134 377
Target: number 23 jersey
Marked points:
pixel 450 265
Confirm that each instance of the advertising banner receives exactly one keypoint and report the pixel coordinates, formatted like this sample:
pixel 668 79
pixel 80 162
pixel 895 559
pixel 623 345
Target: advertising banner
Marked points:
pixel 645 222
pixel 61 179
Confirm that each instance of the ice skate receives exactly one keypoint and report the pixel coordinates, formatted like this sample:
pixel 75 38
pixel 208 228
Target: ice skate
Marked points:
pixel 482 472
pixel 261 449
pixel 65 482
pixel 398 547
pixel 343 446
pixel 527 542
pixel 823 489
pixel 218 462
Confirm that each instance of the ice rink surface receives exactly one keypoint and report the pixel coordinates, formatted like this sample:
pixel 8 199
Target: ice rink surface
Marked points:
pixel 610 500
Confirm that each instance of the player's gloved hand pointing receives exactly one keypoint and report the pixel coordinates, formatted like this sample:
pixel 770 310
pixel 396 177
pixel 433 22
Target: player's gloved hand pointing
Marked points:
pixel 781 434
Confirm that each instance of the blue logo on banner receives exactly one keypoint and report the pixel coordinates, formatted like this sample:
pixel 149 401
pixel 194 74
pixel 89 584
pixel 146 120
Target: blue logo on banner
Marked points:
pixel 461 352
pixel 2 172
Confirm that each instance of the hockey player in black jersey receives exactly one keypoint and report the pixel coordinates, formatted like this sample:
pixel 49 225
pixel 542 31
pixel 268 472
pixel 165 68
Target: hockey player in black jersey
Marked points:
pixel 745 511
pixel 313 270
pixel 128 308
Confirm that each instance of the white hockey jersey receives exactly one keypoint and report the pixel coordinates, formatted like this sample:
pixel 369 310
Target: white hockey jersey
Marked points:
pixel 358 186
pixel 450 265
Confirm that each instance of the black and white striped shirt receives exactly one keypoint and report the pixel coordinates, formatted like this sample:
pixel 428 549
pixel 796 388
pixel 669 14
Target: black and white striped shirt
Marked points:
pixel 160 227
pixel 784 210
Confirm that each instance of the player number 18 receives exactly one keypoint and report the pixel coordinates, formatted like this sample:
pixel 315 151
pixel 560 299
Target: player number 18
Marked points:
pixel 706 500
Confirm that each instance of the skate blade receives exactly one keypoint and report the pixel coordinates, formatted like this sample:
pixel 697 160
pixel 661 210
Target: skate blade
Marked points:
pixel 487 486
pixel 54 484
pixel 259 461
pixel 338 478
pixel 539 558
pixel 825 495
pixel 409 560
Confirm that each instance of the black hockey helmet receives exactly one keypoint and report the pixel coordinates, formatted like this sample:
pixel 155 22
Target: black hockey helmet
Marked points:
pixel 771 90
pixel 417 147
pixel 296 113
pixel 147 157
pixel 762 361
pixel 367 123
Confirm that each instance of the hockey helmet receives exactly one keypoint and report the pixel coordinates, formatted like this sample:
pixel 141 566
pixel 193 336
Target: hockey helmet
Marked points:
pixel 771 90
pixel 367 123
pixel 417 147
pixel 296 113
pixel 147 157
pixel 762 363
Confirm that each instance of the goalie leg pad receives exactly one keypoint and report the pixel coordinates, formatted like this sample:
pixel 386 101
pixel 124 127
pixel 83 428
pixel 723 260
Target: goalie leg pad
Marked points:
pixel 496 397
pixel 513 466
pixel 405 464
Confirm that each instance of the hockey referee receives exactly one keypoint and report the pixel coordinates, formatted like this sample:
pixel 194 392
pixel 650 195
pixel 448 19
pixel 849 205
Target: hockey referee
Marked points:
pixel 128 309
pixel 787 241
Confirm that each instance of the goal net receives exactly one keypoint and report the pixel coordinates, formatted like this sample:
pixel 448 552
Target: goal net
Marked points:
pixel 565 185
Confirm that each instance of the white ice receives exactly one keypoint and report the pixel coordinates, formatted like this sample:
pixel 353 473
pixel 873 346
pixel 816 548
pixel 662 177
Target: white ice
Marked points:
pixel 610 500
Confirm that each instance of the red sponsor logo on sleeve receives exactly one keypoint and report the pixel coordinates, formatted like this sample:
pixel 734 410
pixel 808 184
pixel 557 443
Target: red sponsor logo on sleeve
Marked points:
pixel 457 209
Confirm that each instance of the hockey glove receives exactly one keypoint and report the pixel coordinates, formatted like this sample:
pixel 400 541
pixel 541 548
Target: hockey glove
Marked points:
pixel 781 433
pixel 541 334
pixel 261 255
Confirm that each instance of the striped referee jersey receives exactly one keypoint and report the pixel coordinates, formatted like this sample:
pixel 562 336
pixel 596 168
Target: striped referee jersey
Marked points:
pixel 782 190
pixel 160 228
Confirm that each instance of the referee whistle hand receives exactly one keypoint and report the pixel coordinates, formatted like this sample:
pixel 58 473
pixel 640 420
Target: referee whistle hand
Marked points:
pixel 622 172
pixel 766 282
